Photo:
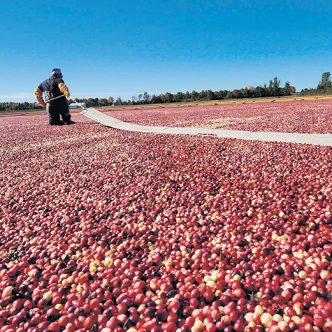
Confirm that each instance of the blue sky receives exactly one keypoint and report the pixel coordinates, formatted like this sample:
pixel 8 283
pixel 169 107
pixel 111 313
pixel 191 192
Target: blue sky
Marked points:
pixel 123 48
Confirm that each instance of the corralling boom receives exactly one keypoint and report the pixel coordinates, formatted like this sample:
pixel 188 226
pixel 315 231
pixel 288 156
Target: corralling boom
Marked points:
pixel 314 139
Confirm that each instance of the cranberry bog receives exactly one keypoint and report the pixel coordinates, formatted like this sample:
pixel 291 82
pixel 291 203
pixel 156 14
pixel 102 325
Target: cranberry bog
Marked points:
pixel 106 230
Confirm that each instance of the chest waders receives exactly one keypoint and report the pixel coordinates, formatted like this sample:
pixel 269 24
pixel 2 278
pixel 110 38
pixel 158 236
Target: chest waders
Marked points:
pixel 55 107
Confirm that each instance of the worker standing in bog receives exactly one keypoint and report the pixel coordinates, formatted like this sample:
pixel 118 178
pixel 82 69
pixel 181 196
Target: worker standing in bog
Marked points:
pixel 56 94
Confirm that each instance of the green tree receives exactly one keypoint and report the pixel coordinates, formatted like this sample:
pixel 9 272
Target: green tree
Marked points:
pixel 188 96
pixel 167 97
pixel 229 95
pixel 210 95
pixel 110 100
pixel 156 99
pixel 260 91
pixel 179 97
pixel 287 89
pixel 118 101
pixel 194 95
pixel 276 87
pixel 146 98
pixel 325 83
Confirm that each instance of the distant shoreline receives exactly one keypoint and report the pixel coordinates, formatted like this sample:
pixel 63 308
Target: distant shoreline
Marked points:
pixel 234 101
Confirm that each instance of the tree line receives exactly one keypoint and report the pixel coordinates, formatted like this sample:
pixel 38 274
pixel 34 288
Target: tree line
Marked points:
pixel 96 102
pixel 10 106
pixel 272 89
pixel 26 106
